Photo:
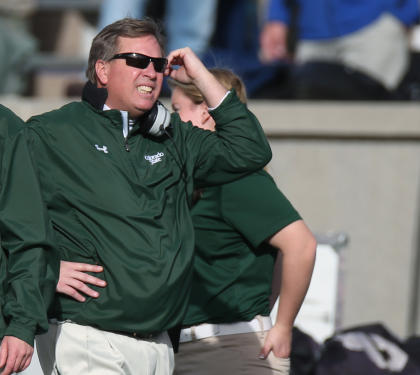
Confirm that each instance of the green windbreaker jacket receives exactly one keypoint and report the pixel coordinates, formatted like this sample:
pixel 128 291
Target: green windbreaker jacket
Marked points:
pixel 124 203
pixel 28 264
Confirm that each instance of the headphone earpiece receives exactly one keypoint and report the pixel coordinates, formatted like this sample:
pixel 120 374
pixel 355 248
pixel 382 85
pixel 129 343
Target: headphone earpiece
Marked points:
pixel 156 120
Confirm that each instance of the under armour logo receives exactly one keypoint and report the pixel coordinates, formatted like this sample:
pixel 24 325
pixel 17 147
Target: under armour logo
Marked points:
pixel 103 148
pixel 152 159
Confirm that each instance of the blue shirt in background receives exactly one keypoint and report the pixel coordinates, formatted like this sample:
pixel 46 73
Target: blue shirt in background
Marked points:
pixel 326 19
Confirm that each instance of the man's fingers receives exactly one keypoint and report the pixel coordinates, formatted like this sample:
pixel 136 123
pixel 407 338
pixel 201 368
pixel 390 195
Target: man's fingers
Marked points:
pixel 82 287
pixel 23 360
pixel 72 287
pixel 9 368
pixel 27 363
pixel 68 290
pixel 85 267
pixel 176 56
pixel 85 278
pixel 3 354
pixel 24 365
pixel 10 364
pixel 18 362
pixel 26 359
pixel 73 280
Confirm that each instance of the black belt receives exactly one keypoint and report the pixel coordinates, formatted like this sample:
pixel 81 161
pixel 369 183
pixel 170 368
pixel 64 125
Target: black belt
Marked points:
pixel 136 335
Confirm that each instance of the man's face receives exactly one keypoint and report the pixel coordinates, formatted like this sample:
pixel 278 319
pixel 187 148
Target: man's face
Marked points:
pixel 129 88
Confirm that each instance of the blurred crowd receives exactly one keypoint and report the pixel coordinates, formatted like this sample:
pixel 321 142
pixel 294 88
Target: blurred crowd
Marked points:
pixel 282 49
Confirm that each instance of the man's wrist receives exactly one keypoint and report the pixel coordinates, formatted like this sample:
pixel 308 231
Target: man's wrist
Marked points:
pixel 26 334
pixel 221 101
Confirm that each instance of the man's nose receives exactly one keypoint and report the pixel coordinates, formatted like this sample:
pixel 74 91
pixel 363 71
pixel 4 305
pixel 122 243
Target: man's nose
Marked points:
pixel 150 70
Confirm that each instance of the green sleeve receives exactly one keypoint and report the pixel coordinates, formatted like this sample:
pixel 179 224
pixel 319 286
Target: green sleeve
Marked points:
pixel 256 208
pixel 9 125
pixel 3 271
pixel 237 147
pixel 27 241
pixel 9 122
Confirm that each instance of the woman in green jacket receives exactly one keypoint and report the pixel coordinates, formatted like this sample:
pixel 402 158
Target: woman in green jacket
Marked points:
pixel 239 229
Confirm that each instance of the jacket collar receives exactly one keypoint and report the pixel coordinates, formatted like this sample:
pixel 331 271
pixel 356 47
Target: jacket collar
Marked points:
pixel 94 96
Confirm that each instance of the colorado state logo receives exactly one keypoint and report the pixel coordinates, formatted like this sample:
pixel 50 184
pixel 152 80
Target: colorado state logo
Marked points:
pixel 153 159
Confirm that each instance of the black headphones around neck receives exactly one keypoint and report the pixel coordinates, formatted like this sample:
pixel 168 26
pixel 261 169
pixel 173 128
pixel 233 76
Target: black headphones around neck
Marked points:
pixel 155 121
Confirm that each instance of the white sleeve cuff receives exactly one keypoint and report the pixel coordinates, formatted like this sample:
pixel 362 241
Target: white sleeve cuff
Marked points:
pixel 213 108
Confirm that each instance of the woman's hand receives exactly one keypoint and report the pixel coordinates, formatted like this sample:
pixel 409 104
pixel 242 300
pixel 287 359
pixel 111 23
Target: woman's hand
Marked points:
pixel 278 341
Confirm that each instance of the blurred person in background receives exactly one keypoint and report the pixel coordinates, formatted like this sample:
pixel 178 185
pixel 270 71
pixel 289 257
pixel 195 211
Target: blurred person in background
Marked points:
pixel 235 45
pixel 240 227
pixel 188 23
pixel 17 45
pixel 28 263
pixel 343 49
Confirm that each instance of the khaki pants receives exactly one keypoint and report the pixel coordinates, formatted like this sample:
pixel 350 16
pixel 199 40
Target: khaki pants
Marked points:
pixel 379 50
pixel 69 349
pixel 230 354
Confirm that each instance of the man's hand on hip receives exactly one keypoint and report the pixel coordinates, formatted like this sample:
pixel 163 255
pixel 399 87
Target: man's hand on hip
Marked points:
pixel 73 279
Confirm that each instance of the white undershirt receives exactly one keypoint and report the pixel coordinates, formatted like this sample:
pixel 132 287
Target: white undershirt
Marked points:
pixel 128 123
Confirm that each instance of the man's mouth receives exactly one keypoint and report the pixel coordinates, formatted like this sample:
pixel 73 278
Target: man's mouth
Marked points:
pixel 144 89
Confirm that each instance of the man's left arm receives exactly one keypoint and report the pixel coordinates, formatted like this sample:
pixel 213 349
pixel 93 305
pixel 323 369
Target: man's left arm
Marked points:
pixel 239 145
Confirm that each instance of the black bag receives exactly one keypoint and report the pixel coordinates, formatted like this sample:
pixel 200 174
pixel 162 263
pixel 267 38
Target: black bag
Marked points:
pixel 365 350
pixel 321 80
pixel 305 353
pixel 412 347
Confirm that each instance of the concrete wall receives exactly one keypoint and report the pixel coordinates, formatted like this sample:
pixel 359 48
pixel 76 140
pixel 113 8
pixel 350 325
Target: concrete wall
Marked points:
pixel 352 168
pixel 355 168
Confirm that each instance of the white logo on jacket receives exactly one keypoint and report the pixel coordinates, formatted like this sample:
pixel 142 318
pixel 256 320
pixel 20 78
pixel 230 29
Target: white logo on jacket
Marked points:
pixel 104 149
pixel 154 158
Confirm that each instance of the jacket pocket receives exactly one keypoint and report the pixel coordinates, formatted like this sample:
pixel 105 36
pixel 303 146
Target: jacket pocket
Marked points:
pixel 73 248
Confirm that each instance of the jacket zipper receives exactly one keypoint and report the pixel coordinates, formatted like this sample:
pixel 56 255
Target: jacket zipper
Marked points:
pixel 126 129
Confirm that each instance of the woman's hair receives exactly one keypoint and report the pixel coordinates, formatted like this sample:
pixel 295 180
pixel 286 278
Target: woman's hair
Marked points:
pixel 105 44
pixel 226 77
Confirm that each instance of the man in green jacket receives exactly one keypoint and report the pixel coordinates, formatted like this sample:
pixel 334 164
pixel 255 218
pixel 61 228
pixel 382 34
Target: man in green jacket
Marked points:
pixel 117 174
pixel 28 266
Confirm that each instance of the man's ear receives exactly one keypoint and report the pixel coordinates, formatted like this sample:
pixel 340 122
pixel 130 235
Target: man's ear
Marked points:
pixel 102 72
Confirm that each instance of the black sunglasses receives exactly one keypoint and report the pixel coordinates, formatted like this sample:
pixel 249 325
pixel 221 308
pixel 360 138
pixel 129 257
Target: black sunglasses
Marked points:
pixel 137 60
